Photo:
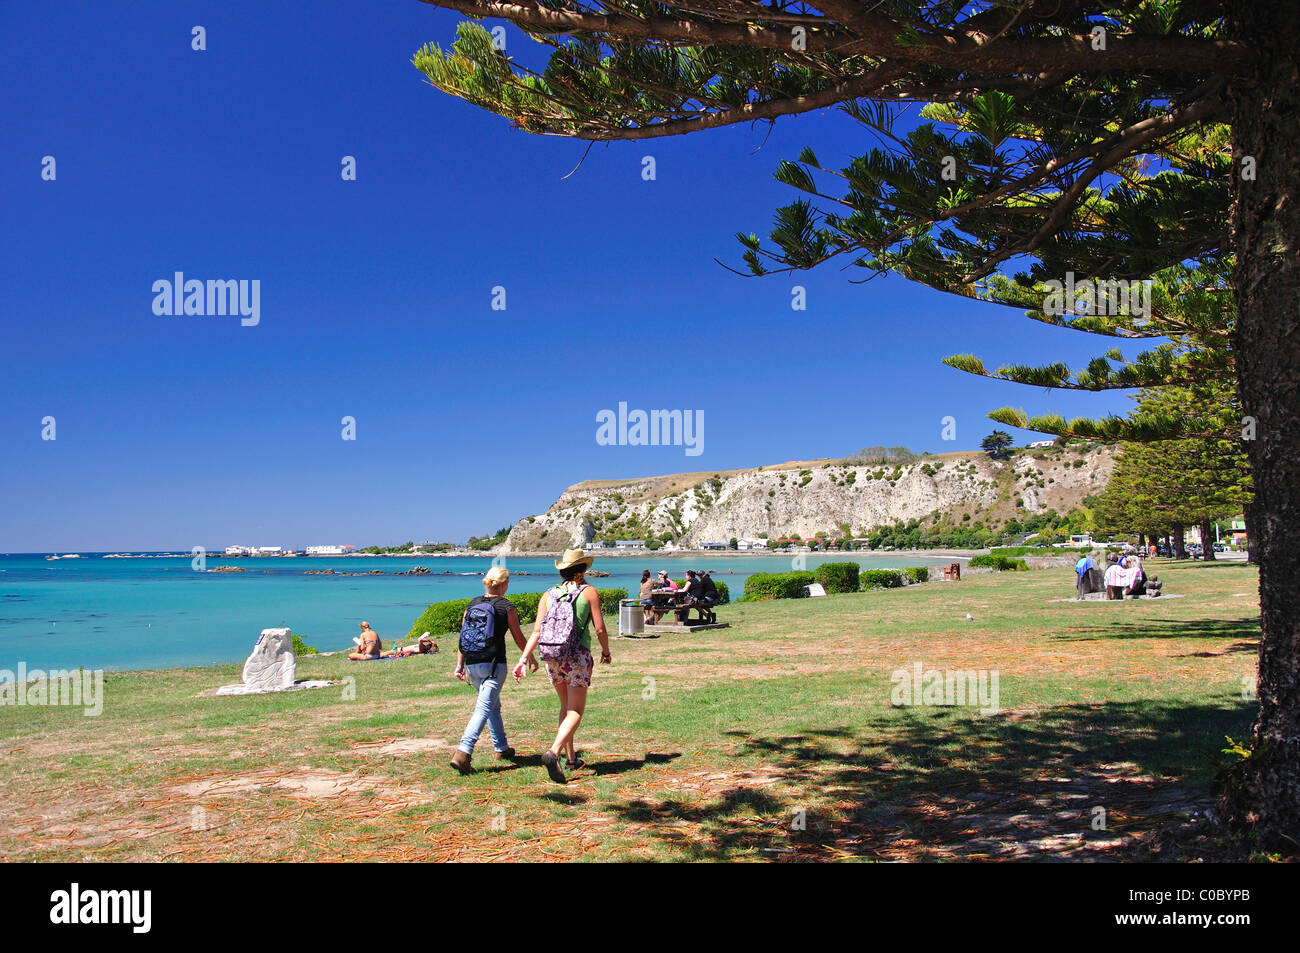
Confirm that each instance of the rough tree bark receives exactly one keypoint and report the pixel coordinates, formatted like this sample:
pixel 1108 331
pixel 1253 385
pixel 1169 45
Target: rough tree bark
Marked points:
pixel 1179 541
pixel 1207 539
pixel 1263 791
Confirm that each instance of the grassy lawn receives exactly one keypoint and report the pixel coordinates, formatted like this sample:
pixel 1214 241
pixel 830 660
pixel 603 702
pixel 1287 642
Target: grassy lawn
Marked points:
pixel 774 739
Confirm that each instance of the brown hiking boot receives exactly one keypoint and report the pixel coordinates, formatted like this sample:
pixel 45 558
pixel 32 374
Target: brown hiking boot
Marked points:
pixel 552 765
pixel 462 762
pixel 507 754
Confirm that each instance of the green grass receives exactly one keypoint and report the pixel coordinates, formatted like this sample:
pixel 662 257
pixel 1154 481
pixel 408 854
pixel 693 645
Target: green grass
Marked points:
pixel 1118 705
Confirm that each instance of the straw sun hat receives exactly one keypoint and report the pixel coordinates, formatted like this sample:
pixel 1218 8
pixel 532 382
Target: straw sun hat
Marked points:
pixel 573 557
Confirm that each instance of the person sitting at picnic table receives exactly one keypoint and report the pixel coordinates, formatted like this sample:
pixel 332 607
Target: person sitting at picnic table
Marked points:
pixel 368 646
pixel 645 597
pixel 689 596
pixel 708 590
pixel 664 595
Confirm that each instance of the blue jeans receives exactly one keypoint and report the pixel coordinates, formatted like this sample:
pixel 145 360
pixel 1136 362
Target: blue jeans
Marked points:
pixel 487 679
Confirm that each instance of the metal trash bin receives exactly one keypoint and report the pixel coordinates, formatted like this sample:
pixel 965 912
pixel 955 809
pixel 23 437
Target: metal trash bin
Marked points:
pixel 631 618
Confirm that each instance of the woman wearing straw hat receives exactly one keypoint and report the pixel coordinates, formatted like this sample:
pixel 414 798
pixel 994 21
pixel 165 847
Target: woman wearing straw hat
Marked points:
pixel 571 678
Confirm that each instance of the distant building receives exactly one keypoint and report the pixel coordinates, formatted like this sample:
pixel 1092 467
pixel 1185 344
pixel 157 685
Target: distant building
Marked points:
pixel 269 550
pixel 330 550
pixel 751 544
pixel 714 544
pixel 630 544
pixel 240 550
pixel 1041 443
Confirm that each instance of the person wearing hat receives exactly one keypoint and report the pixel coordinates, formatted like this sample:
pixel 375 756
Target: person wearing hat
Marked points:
pixel 666 589
pixel 570 679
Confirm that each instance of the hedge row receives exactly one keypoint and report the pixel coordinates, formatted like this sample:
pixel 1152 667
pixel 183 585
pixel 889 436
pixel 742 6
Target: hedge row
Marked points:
pixel 1000 563
pixel 776 585
pixel 881 579
pixel 893 578
pixel 838 577
pixel 443 617
pixel 833 577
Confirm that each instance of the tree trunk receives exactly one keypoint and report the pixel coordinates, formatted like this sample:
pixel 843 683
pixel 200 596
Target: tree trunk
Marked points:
pixel 1248 518
pixel 1207 540
pixel 1179 541
pixel 1263 791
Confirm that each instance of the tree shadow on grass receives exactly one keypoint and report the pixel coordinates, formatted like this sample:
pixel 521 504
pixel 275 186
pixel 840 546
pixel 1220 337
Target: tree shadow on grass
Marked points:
pixel 1242 629
pixel 632 764
pixel 947 784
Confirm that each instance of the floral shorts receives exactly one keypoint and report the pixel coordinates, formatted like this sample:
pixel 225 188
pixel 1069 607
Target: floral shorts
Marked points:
pixel 575 673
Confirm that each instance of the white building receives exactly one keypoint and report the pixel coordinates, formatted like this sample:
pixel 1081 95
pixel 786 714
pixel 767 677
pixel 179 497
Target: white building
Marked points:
pixel 630 544
pixel 751 544
pixel 714 544
pixel 240 550
pixel 330 550
pixel 269 550
pixel 1041 443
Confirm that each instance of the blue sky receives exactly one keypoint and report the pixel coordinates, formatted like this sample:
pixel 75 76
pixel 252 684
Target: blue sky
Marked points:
pixel 176 431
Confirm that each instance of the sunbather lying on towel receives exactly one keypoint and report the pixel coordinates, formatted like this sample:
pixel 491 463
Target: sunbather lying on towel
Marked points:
pixel 424 646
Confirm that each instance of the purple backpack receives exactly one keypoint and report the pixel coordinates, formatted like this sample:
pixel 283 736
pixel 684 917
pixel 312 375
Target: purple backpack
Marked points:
pixel 560 640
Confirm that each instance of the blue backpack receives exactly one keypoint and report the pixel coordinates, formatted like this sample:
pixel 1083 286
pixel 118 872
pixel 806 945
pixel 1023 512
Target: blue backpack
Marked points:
pixel 478 631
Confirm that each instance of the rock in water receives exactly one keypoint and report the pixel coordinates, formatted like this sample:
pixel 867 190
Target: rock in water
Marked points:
pixel 271 666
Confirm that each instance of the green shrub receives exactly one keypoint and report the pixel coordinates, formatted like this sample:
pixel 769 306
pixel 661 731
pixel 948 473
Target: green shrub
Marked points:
pixel 838 577
pixel 918 573
pixel 880 579
pixel 443 617
pixel 1000 563
pixel 776 585
pixel 302 648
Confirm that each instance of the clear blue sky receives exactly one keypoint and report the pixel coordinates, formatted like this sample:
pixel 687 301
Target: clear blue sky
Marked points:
pixel 375 294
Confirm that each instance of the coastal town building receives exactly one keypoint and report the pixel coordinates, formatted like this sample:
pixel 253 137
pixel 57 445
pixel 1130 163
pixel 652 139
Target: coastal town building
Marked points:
pixel 630 543
pixel 330 550
pixel 714 544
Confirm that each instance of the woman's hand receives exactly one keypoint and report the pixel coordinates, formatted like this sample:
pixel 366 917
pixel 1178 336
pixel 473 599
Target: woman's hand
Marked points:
pixel 606 658
pixel 460 672
pixel 532 664
pixel 519 670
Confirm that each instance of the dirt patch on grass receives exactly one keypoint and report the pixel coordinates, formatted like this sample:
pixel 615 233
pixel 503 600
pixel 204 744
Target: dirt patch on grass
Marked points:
pixel 310 783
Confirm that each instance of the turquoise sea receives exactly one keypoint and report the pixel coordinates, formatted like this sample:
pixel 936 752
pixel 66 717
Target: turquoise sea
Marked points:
pixel 156 611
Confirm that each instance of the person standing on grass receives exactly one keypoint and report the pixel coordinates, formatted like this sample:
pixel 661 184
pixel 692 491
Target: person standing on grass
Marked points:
pixel 481 661
pixel 565 616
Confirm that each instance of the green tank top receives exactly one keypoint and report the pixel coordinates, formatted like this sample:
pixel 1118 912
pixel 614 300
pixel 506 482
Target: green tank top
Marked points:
pixel 581 612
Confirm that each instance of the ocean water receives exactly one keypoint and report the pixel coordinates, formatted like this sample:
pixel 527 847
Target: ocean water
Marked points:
pixel 158 612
